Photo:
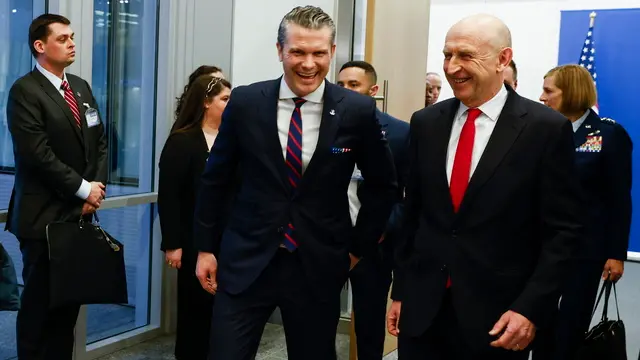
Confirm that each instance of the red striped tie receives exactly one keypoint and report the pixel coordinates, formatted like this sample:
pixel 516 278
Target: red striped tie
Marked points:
pixel 71 101
pixel 462 162
pixel 294 163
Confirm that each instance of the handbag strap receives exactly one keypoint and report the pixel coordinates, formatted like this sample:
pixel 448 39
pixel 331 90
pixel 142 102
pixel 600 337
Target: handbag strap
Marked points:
pixel 615 296
pixel 593 313
pixel 607 294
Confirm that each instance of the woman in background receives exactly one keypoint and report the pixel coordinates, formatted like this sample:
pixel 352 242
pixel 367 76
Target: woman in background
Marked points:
pixel 201 70
pixel 182 162
pixel 603 165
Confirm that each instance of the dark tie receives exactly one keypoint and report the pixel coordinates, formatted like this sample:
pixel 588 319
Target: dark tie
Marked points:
pixel 462 162
pixel 71 101
pixel 294 163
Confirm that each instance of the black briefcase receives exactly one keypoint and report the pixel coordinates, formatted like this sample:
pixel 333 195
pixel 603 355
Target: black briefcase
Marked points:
pixel 607 339
pixel 9 291
pixel 86 265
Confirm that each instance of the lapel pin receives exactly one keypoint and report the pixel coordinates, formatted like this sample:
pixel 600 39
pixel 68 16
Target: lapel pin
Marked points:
pixel 332 112
pixel 78 94
pixel 86 105
pixel 587 126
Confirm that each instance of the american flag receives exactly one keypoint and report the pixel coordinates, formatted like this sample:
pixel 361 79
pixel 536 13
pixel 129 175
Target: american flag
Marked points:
pixel 588 54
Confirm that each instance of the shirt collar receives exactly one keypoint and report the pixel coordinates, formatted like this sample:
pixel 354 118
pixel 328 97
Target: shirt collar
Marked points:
pixel 314 97
pixel 576 124
pixel 56 81
pixel 491 108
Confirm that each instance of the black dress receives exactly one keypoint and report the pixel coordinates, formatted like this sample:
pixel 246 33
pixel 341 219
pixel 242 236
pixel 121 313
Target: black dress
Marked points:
pixel 182 162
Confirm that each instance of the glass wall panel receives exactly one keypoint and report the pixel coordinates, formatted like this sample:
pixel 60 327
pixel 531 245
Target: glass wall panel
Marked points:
pixel 15 61
pixel 131 226
pixel 123 81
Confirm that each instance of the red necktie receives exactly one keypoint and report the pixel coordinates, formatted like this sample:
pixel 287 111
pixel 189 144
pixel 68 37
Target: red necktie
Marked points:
pixel 294 163
pixel 462 163
pixel 71 101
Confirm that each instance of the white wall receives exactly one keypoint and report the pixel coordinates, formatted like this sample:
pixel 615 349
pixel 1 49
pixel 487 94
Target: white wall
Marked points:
pixel 255 29
pixel 535 29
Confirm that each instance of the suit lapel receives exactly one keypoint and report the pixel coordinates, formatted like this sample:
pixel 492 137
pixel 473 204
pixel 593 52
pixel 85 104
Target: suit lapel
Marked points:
pixel 507 129
pixel 329 124
pixel 269 108
pixel 440 147
pixel 54 94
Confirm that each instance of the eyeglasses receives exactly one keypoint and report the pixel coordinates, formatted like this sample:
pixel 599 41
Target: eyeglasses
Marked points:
pixel 214 81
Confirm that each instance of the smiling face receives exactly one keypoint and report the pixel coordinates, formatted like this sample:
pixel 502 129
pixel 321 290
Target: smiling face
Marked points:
pixel 306 57
pixel 473 63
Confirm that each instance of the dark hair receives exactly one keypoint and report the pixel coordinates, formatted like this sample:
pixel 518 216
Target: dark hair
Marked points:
pixel 368 68
pixel 513 66
pixel 39 28
pixel 205 87
pixel 202 70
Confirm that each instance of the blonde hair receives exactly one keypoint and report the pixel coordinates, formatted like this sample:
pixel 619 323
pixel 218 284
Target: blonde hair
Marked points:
pixel 578 89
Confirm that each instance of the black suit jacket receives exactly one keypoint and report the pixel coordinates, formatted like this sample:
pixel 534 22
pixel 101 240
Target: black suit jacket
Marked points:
pixel 266 203
pixel 397 133
pixel 603 159
pixel 52 155
pixel 182 162
pixel 518 223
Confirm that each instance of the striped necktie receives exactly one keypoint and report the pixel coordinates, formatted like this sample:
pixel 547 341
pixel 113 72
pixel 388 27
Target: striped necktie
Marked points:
pixel 71 101
pixel 294 163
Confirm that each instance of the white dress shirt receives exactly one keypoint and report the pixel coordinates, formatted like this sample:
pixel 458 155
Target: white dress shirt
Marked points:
pixel 85 187
pixel 485 123
pixel 311 113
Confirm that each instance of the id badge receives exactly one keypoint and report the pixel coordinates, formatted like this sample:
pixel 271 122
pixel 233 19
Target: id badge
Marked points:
pixel 92 117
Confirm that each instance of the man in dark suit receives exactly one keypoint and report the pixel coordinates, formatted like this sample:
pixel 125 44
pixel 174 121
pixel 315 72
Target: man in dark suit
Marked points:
pixel 492 213
pixel 371 277
pixel 289 236
pixel 61 164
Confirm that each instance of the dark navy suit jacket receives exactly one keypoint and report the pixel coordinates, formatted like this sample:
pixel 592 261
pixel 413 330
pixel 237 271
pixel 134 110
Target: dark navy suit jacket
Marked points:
pixel 265 201
pixel 397 133
pixel 603 160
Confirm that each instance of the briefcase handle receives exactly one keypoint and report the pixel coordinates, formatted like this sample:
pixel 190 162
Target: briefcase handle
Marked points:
pixel 115 247
pixel 606 290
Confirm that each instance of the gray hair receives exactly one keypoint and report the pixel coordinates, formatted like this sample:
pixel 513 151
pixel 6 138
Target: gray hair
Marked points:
pixel 308 17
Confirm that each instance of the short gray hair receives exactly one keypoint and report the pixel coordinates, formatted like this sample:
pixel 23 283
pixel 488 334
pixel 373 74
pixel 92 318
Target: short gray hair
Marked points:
pixel 308 17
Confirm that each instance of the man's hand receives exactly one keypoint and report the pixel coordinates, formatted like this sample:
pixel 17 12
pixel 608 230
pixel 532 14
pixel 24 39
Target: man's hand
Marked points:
pixel 517 332
pixel 88 209
pixel 354 261
pixel 96 195
pixel 174 258
pixel 206 271
pixel 613 270
pixel 393 318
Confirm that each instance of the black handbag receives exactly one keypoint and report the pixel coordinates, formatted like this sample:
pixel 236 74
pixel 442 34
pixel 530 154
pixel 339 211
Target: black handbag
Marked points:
pixel 86 265
pixel 9 291
pixel 607 339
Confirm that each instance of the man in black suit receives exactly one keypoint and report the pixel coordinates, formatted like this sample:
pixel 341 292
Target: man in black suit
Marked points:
pixel 61 165
pixel 371 277
pixel 289 236
pixel 492 211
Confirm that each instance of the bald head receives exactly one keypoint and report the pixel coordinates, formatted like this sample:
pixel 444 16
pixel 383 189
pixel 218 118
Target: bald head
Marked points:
pixel 487 28
pixel 477 49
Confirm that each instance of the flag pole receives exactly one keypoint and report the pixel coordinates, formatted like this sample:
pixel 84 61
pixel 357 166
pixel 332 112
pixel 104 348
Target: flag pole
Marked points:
pixel 592 18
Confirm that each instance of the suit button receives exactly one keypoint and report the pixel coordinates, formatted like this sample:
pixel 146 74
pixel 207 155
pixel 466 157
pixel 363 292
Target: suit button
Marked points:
pixel 454 233
pixel 280 230
pixel 443 268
